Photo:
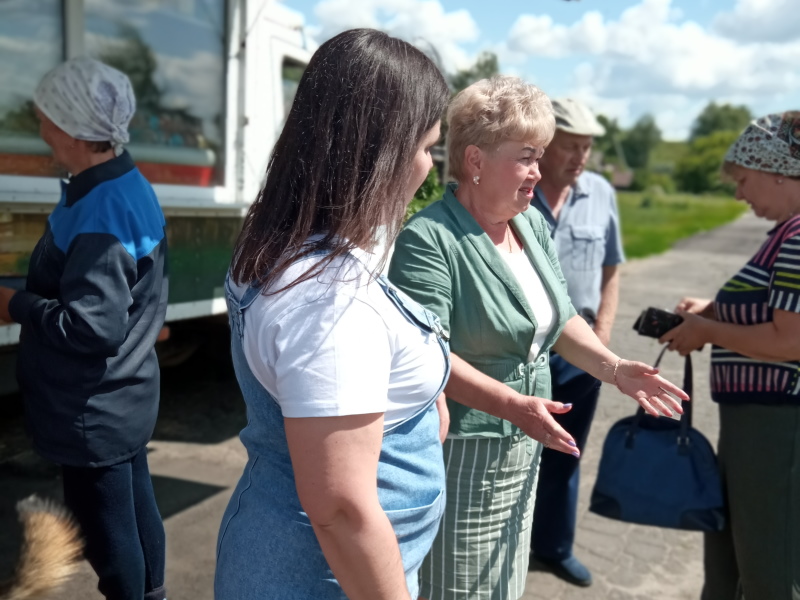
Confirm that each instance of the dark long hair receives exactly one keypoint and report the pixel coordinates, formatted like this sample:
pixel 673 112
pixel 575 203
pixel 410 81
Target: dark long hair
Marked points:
pixel 341 164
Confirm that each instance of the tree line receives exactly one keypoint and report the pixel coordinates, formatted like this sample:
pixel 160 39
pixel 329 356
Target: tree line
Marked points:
pixel 690 166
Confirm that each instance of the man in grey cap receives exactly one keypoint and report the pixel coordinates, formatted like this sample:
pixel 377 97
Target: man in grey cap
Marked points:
pixel 581 209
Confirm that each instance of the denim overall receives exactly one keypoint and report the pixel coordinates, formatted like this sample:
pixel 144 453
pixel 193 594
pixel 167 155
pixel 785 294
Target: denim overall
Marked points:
pixel 267 548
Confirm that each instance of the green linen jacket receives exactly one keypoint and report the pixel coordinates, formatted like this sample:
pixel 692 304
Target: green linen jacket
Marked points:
pixel 447 263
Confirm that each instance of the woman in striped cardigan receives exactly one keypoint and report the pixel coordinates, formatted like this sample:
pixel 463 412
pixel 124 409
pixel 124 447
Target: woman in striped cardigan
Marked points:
pixel 754 327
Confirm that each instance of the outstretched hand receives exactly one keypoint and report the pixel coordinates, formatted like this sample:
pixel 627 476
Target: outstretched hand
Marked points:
pixel 538 423
pixel 653 393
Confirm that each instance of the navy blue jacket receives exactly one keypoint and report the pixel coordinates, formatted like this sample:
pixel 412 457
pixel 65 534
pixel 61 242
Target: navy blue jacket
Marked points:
pixel 95 300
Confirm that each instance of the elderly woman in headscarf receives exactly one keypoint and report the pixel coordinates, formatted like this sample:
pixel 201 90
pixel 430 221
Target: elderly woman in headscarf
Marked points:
pixel 753 325
pixel 90 313
pixel 485 264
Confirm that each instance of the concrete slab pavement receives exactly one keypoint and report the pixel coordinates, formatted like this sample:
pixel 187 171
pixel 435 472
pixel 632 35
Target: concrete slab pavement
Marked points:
pixel 194 472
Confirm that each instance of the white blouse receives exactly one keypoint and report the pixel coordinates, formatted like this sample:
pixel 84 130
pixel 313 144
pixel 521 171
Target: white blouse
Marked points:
pixel 337 345
pixel 537 297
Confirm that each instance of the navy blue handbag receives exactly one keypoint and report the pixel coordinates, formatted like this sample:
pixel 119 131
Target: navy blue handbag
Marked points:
pixel 660 471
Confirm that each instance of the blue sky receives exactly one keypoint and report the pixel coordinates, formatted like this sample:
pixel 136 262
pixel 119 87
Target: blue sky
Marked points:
pixel 624 58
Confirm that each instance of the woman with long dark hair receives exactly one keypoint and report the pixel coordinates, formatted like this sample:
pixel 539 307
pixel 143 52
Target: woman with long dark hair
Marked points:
pixel 343 490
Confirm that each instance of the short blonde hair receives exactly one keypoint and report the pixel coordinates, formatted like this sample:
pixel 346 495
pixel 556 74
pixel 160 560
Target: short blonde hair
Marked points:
pixel 494 110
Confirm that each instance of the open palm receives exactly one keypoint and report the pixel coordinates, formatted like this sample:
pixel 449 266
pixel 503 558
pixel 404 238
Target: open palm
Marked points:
pixel 653 393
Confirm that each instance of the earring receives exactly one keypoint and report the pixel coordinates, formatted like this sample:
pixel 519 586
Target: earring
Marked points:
pixel 779 180
pixel 476 180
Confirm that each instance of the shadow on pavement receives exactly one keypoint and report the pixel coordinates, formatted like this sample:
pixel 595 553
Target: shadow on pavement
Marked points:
pixel 176 495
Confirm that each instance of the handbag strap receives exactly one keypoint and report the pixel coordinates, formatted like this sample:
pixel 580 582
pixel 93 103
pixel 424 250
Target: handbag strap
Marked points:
pixel 686 417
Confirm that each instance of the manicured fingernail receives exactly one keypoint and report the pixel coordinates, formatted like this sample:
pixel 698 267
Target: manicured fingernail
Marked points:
pixel 571 443
pixel 576 454
pixel 568 405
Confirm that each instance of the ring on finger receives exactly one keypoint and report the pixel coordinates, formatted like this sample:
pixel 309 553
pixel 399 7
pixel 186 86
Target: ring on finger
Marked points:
pixel 546 442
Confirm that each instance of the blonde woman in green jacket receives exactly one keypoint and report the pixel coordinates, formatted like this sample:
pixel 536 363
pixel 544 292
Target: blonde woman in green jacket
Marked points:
pixel 486 265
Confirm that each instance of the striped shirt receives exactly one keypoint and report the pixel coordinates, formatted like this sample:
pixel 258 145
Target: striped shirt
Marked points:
pixel 769 281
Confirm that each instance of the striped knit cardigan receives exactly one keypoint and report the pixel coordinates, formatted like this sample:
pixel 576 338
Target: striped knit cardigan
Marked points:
pixel 770 280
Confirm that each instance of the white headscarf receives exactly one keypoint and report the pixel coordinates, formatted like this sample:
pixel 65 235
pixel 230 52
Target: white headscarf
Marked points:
pixel 88 100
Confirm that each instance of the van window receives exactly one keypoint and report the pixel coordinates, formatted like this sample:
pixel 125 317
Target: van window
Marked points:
pixel 31 43
pixel 174 53
pixel 291 73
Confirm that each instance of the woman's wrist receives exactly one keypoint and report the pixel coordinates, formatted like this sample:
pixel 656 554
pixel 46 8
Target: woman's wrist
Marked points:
pixel 609 370
pixel 708 329
pixel 614 380
pixel 513 407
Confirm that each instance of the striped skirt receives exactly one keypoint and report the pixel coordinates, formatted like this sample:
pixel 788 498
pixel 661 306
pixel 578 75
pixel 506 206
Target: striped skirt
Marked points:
pixel 481 550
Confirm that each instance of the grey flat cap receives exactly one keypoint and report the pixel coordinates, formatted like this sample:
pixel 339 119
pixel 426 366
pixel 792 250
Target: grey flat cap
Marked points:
pixel 574 117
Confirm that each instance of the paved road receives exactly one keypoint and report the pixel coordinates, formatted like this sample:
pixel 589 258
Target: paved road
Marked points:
pixel 196 458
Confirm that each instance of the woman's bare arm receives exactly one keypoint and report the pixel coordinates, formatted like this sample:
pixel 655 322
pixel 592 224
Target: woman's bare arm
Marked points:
pixel 335 462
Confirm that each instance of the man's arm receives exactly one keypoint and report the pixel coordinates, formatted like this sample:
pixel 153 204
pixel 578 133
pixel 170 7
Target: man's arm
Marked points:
pixel 609 284
pixel 609 300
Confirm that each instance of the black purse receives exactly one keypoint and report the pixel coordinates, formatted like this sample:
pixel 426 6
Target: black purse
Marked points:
pixel 660 471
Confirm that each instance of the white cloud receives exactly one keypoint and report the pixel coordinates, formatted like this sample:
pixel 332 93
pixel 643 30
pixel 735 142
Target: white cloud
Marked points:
pixel 28 49
pixel 760 21
pixel 193 82
pixel 651 59
pixel 424 23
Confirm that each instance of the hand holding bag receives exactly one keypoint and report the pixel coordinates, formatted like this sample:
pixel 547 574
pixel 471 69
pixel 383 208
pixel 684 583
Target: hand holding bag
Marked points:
pixel 660 471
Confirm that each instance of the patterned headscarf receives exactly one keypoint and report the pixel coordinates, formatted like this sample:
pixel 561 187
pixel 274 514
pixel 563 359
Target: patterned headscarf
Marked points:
pixel 88 100
pixel 770 144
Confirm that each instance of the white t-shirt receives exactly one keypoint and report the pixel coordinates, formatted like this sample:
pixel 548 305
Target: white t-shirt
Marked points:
pixel 337 345
pixel 537 296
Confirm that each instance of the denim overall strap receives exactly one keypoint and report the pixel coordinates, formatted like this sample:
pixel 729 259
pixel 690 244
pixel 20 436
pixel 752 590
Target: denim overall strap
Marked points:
pixel 237 306
pixel 414 311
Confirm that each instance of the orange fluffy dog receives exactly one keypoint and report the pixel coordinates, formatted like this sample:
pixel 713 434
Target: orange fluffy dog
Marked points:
pixel 51 550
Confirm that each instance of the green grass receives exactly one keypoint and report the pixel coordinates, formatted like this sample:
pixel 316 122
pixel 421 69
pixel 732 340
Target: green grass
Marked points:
pixel 652 223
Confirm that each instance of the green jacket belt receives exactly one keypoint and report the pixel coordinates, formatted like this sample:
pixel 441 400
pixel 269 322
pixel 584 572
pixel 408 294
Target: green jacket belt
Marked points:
pixel 447 263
